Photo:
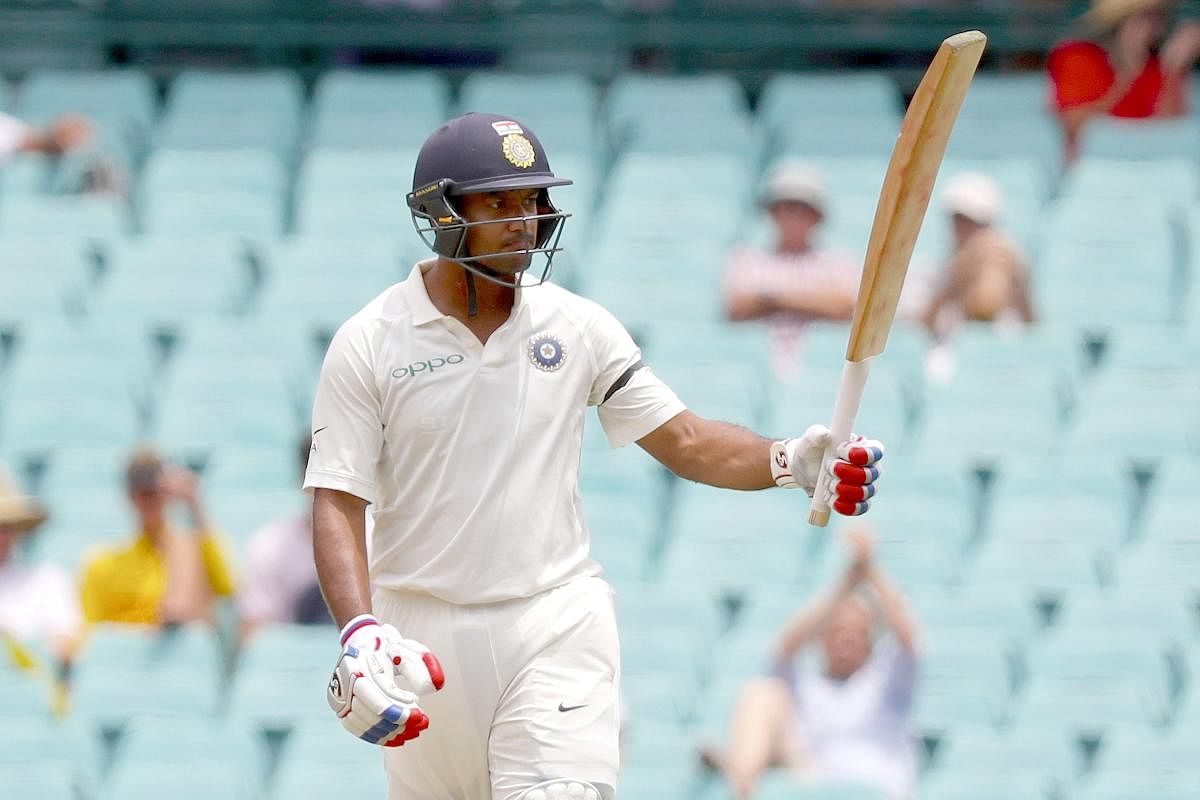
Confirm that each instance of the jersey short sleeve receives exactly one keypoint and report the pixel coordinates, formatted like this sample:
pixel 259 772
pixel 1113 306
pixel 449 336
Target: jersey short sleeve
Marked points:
pixel 632 401
pixel 347 423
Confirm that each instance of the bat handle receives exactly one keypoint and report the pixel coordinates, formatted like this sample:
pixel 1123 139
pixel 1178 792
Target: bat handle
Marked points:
pixel 845 409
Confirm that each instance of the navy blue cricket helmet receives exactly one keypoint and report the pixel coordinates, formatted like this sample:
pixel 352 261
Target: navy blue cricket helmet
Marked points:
pixel 481 153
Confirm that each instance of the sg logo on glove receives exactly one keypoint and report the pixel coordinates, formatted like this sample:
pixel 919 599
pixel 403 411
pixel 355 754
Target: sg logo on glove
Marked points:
pixel 363 691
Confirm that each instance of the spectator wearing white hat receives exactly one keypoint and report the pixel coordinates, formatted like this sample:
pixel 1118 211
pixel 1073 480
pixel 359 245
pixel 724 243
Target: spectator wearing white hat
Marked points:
pixel 985 278
pixel 38 603
pixel 794 282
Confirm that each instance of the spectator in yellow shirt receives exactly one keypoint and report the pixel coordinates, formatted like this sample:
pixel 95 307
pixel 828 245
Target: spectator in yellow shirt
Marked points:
pixel 167 574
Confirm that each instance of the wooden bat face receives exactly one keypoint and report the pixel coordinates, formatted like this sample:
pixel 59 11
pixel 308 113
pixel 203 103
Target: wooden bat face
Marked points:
pixel 907 187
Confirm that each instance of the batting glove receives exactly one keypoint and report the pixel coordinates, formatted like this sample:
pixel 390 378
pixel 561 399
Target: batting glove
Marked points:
pixel 363 691
pixel 796 463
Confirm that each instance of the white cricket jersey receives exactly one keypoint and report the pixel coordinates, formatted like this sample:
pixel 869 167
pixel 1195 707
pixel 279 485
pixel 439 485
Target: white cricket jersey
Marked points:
pixel 470 452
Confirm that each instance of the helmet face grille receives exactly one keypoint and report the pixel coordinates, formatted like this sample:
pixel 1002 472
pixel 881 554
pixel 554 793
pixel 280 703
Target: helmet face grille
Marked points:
pixel 444 231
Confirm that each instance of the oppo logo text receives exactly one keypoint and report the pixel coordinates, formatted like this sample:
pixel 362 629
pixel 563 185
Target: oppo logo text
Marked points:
pixel 418 367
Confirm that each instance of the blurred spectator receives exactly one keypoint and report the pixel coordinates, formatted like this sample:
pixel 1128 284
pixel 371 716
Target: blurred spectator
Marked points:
pixel 167 574
pixel 794 282
pixel 280 578
pixel 846 717
pixel 38 602
pixel 61 136
pixel 985 278
pixel 1128 62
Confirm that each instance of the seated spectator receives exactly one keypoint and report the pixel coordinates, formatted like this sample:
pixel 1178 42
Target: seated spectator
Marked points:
pixel 985 278
pixel 64 134
pixel 1126 63
pixel 794 282
pixel 167 574
pixel 840 713
pixel 38 602
pixel 280 578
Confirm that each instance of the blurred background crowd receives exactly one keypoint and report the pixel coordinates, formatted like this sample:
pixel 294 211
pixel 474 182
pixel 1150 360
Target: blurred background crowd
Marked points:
pixel 194 195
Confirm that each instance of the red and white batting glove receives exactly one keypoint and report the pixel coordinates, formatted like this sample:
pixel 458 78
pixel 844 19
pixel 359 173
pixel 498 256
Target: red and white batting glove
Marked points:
pixel 363 691
pixel 796 463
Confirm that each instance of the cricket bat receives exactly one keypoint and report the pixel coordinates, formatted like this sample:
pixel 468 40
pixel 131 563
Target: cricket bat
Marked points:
pixel 907 186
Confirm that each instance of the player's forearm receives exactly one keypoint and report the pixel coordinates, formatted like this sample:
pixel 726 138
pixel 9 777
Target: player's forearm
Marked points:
pixel 716 453
pixel 340 552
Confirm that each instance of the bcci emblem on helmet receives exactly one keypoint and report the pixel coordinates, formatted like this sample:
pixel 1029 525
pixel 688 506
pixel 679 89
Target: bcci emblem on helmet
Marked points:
pixel 518 150
pixel 546 352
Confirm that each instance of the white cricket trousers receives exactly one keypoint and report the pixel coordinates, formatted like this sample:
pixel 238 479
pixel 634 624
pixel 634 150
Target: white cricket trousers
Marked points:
pixel 531 693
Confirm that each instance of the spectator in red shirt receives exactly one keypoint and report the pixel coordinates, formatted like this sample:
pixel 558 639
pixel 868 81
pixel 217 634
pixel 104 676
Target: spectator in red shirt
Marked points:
pixel 1132 65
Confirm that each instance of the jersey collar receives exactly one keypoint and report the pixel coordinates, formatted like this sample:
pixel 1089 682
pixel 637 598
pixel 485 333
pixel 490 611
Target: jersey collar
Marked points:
pixel 422 308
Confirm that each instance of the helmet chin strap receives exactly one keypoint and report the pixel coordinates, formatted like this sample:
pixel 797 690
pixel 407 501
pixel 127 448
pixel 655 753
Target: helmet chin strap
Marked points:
pixel 488 273
pixel 472 297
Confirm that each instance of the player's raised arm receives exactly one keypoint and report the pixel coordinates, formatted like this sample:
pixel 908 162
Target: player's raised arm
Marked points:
pixel 732 457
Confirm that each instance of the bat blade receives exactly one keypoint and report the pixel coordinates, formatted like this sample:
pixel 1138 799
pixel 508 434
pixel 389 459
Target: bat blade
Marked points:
pixel 907 187
pixel 903 200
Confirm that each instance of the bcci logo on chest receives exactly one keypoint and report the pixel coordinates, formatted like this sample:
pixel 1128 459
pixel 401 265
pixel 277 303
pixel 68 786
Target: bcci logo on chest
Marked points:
pixel 546 351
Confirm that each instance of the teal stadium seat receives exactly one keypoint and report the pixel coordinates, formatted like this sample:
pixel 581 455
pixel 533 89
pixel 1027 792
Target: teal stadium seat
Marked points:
pixel 1085 683
pixel 1150 141
pixel 189 745
pixel 37 745
pixel 378 258
pixel 24 781
pixel 1038 138
pixel 734 543
pixel 254 468
pixel 1009 411
pixel 960 785
pixel 1143 414
pixel 82 519
pixel 280 678
pixel 635 100
pixel 967 679
pixel 779 784
pixel 885 412
pixel 316 758
pixel 996 756
pixel 205 779
pixel 199 192
pixel 248 400
pixel 376 110
pixel 43 278
pixel 1127 175
pixel 126 670
pixel 351 193
pixel 997 97
pixel 1124 610
pixel 23 695
pixel 1162 765
pixel 91 215
pixel 624 536
pixel 171 280
pixel 233 110
pixel 815 115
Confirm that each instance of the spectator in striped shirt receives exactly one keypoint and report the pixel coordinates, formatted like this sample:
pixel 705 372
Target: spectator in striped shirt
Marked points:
pixel 794 282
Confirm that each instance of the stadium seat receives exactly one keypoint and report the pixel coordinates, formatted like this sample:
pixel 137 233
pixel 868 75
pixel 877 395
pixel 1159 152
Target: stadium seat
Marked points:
pixel 997 755
pixel 382 110
pixel 1162 402
pixel 25 780
pixel 120 102
pixel 559 107
pixel 1038 138
pixel 378 258
pixel 1151 142
pixel 231 110
pixel 788 97
pixel 964 610
pixel 635 98
pixel 171 280
pixel 189 745
pixel 205 779
pixel 964 680
pixel 253 469
pixel 125 671
pixel 782 785
pixel 280 678
pixel 315 759
pixel 95 216
pixel 1005 96
pixel 959 785
pixel 1105 479
pixel 38 745
pixel 624 537
pixel 1042 570
pixel 23 694
pixel 1132 756
pixel 1130 612
pixel 252 400
pixel 658 782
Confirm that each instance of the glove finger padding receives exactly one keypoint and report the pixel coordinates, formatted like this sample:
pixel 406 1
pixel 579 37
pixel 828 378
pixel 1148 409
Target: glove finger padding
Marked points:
pixel 385 715
pixel 414 662
pixel 860 452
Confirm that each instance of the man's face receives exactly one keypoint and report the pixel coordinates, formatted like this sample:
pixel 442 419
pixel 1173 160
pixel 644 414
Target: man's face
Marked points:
pixel 847 639
pixel 795 221
pixel 506 239
pixel 150 502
